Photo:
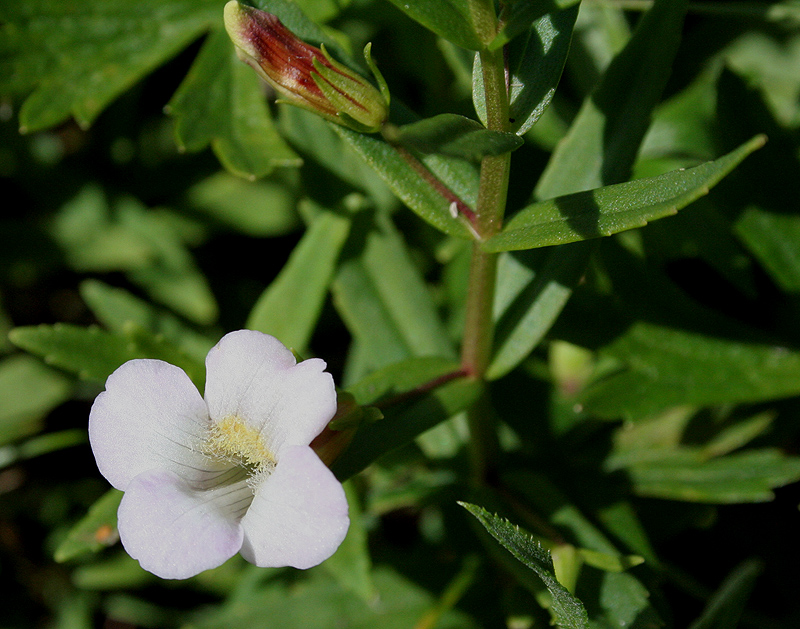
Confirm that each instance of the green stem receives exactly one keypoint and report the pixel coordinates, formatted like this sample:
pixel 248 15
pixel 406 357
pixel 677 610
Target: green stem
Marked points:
pixel 479 327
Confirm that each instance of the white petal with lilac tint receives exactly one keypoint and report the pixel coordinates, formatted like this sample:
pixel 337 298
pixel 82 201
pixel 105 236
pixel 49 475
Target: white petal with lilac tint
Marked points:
pixel 176 531
pixel 299 514
pixel 253 376
pixel 150 416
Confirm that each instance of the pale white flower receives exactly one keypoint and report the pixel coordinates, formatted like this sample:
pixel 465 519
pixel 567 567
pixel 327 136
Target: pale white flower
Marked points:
pixel 207 478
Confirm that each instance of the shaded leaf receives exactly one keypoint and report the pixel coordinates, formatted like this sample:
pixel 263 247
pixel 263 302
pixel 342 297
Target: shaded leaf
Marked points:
pixel 456 136
pixel 603 141
pixel 661 367
pixel 78 56
pixel 450 19
pixel 726 605
pixel 221 102
pixel 535 63
pixel 615 208
pixel 93 354
pixel 263 208
pixel 118 310
pixel 410 405
pixel 524 317
pixel 29 390
pixel 351 565
pixel 772 238
pixel 95 531
pixel 748 476
pixel 568 610
pixel 522 13
pixel 383 298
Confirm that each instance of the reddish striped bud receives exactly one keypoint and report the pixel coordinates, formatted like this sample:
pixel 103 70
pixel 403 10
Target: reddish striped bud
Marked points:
pixel 304 75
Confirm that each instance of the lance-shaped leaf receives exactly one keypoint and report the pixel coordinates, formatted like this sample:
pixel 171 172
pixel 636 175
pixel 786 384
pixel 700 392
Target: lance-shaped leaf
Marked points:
pixel 289 308
pixel 456 136
pixel 568 610
pixel 528 312
pixel 535 61
pixel 616 208
pixel 412 186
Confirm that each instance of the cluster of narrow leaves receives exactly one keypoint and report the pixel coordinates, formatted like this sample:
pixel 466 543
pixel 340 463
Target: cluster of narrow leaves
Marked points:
pixel 306 235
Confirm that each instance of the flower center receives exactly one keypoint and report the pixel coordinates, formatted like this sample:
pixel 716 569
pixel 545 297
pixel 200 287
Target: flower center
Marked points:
pixel 231 439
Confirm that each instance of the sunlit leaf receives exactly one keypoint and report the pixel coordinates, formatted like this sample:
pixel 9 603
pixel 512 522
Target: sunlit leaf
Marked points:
pixel 569 612
pixel 616 208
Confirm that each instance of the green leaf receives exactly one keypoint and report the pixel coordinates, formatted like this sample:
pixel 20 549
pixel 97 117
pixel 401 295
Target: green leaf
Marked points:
pixel 318 602
pixel 118 310
pixel 410 407
pixel 522 13
pixel 615 208
pixel 608 562
pixel 383 298
pixel 95 531
pixel 772 238
pixel 94 354
pixel 29 391
pixel 450 19
pixel 456 136
pixel 289 308
pixel 411 187
pixel 748 476
pixel 42 444
pixel 263 208
pixel 351 565
pixel 76 57
pixel 221 103
pixel 602 143
pixel 727 604
pixel 569 612
pixel 535 63
pixel 661 367
pixel 171 276
pixel 525 314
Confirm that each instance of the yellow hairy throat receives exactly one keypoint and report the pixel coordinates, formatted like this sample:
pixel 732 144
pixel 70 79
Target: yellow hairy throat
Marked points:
pixel 231 439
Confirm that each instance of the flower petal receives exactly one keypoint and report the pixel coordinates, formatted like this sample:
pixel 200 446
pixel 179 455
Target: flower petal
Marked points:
pixel 299 514
pixel 177 532
pixel 253 376
pixel 150 416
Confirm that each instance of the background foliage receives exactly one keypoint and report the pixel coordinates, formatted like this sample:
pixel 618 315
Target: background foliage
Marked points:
pixel 645 384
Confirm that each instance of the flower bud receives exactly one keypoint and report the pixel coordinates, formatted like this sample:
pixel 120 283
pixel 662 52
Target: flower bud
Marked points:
pixel 304 75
